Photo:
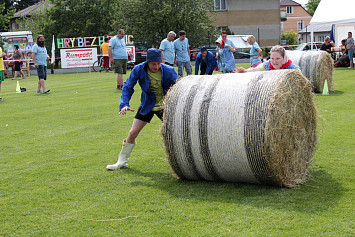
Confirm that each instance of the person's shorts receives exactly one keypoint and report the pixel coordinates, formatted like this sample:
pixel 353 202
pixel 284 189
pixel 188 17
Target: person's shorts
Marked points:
pixel 148 117
pixel 42 72
pixel 120 66
pixel 17 66
pixel 2 76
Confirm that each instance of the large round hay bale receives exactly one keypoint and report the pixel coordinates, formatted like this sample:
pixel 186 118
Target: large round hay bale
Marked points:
pixel 317 66
pixel 255 127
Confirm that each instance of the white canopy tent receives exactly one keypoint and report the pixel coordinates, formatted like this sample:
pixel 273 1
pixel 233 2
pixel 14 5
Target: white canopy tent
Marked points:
pixel 341 15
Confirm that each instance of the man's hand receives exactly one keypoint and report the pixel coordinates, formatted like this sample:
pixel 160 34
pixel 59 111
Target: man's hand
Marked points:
pixel 124 110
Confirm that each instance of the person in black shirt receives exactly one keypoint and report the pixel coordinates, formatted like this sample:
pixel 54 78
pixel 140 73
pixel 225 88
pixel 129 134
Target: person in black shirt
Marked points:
pixel 327 45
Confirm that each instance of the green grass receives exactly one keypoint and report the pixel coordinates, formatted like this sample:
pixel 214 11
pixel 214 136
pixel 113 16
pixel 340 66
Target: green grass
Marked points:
pixel 53 182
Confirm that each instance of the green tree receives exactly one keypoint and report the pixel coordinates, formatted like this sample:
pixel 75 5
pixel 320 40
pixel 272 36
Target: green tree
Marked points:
pixel 150 21
pixel 311 6
pixel 37 20
pixel 5 17
pixel 290 36
pixel 73 18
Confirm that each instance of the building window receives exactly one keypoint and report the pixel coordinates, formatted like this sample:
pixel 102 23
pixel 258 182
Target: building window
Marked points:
pixel 321 38
pixel 220 5
pixel 289 10
pixel 300 25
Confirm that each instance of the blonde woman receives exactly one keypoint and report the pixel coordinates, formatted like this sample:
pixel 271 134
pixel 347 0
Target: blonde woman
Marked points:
pixel 278 60
pixel 255 51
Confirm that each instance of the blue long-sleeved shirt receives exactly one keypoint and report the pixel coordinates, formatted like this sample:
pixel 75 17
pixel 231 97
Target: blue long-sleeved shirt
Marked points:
pixel 211 62
pixel 140 74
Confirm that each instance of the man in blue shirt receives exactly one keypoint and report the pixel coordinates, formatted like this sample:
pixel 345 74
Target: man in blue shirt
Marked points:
pixel 155 79
pixel 182 50
pixel 167 49
pixel 39 59
pixel 207 61
pixel 118 56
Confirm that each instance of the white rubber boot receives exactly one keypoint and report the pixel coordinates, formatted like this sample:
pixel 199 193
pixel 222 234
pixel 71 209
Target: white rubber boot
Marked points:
pixel 123 157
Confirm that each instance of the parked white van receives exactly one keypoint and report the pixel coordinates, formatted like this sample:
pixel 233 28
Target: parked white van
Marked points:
pixel 17 37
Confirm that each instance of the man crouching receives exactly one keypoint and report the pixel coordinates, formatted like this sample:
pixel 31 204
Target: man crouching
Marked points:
pixel 155 79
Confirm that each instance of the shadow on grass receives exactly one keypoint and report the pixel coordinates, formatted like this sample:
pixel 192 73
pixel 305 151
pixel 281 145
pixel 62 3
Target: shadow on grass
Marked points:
pixel 332 93
pixel 319 194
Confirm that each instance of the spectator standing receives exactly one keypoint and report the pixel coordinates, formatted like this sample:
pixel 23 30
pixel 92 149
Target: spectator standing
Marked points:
pixel 350 48
pixel 181 46
pixel 17 55
pixel 2 69
pixel 39 59
pixel 206 60
pixel 155 79
pixel 167 49
pixel 118 56
pixel 225 58
pixel 225 51
pixel 255 51
pixel 106 59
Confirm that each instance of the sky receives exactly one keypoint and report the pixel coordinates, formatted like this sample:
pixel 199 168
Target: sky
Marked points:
pixel 302 2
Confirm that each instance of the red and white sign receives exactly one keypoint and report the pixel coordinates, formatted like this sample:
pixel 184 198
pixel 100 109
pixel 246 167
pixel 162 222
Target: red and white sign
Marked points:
pixel 80 57
pixel 131 51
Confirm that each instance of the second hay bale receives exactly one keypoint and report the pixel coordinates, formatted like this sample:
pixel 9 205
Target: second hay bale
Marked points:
pixel 317 66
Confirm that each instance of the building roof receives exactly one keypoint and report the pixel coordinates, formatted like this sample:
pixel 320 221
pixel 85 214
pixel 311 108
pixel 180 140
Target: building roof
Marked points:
pixel 288 3
pixel 317 28
pixel 42 5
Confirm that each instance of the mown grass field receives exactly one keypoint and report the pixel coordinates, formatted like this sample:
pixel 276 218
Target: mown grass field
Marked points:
pixel 53 182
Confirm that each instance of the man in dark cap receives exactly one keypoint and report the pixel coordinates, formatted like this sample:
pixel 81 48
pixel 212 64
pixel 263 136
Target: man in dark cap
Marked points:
pixel 155 79
pixel 206 60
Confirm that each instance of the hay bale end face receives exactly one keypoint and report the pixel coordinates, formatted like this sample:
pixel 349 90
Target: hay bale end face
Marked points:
pixel 317 66
pixel 250 127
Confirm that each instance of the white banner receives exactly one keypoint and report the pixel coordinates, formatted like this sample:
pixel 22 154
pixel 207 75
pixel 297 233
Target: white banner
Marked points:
pixel 79 57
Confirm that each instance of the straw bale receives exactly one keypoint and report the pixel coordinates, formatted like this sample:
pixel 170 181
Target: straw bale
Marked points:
pixel 317 66
pixel 251 127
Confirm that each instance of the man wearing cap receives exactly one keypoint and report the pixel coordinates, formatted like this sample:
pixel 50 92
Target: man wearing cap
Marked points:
pixel 206 60
pixel 118 56
pixel 155 79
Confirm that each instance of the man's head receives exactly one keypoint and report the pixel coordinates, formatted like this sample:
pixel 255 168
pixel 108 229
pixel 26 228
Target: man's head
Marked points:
pixel 182 35
pixel 350 34
pixel 40 40
pixel 327 40
pixel 154 59
pixel 120 33
pixel 204 51
pixel 171 36
pixel 224 35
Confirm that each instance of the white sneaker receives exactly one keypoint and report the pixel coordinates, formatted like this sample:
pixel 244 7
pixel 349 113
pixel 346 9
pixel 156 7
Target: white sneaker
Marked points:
pixel 39 91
